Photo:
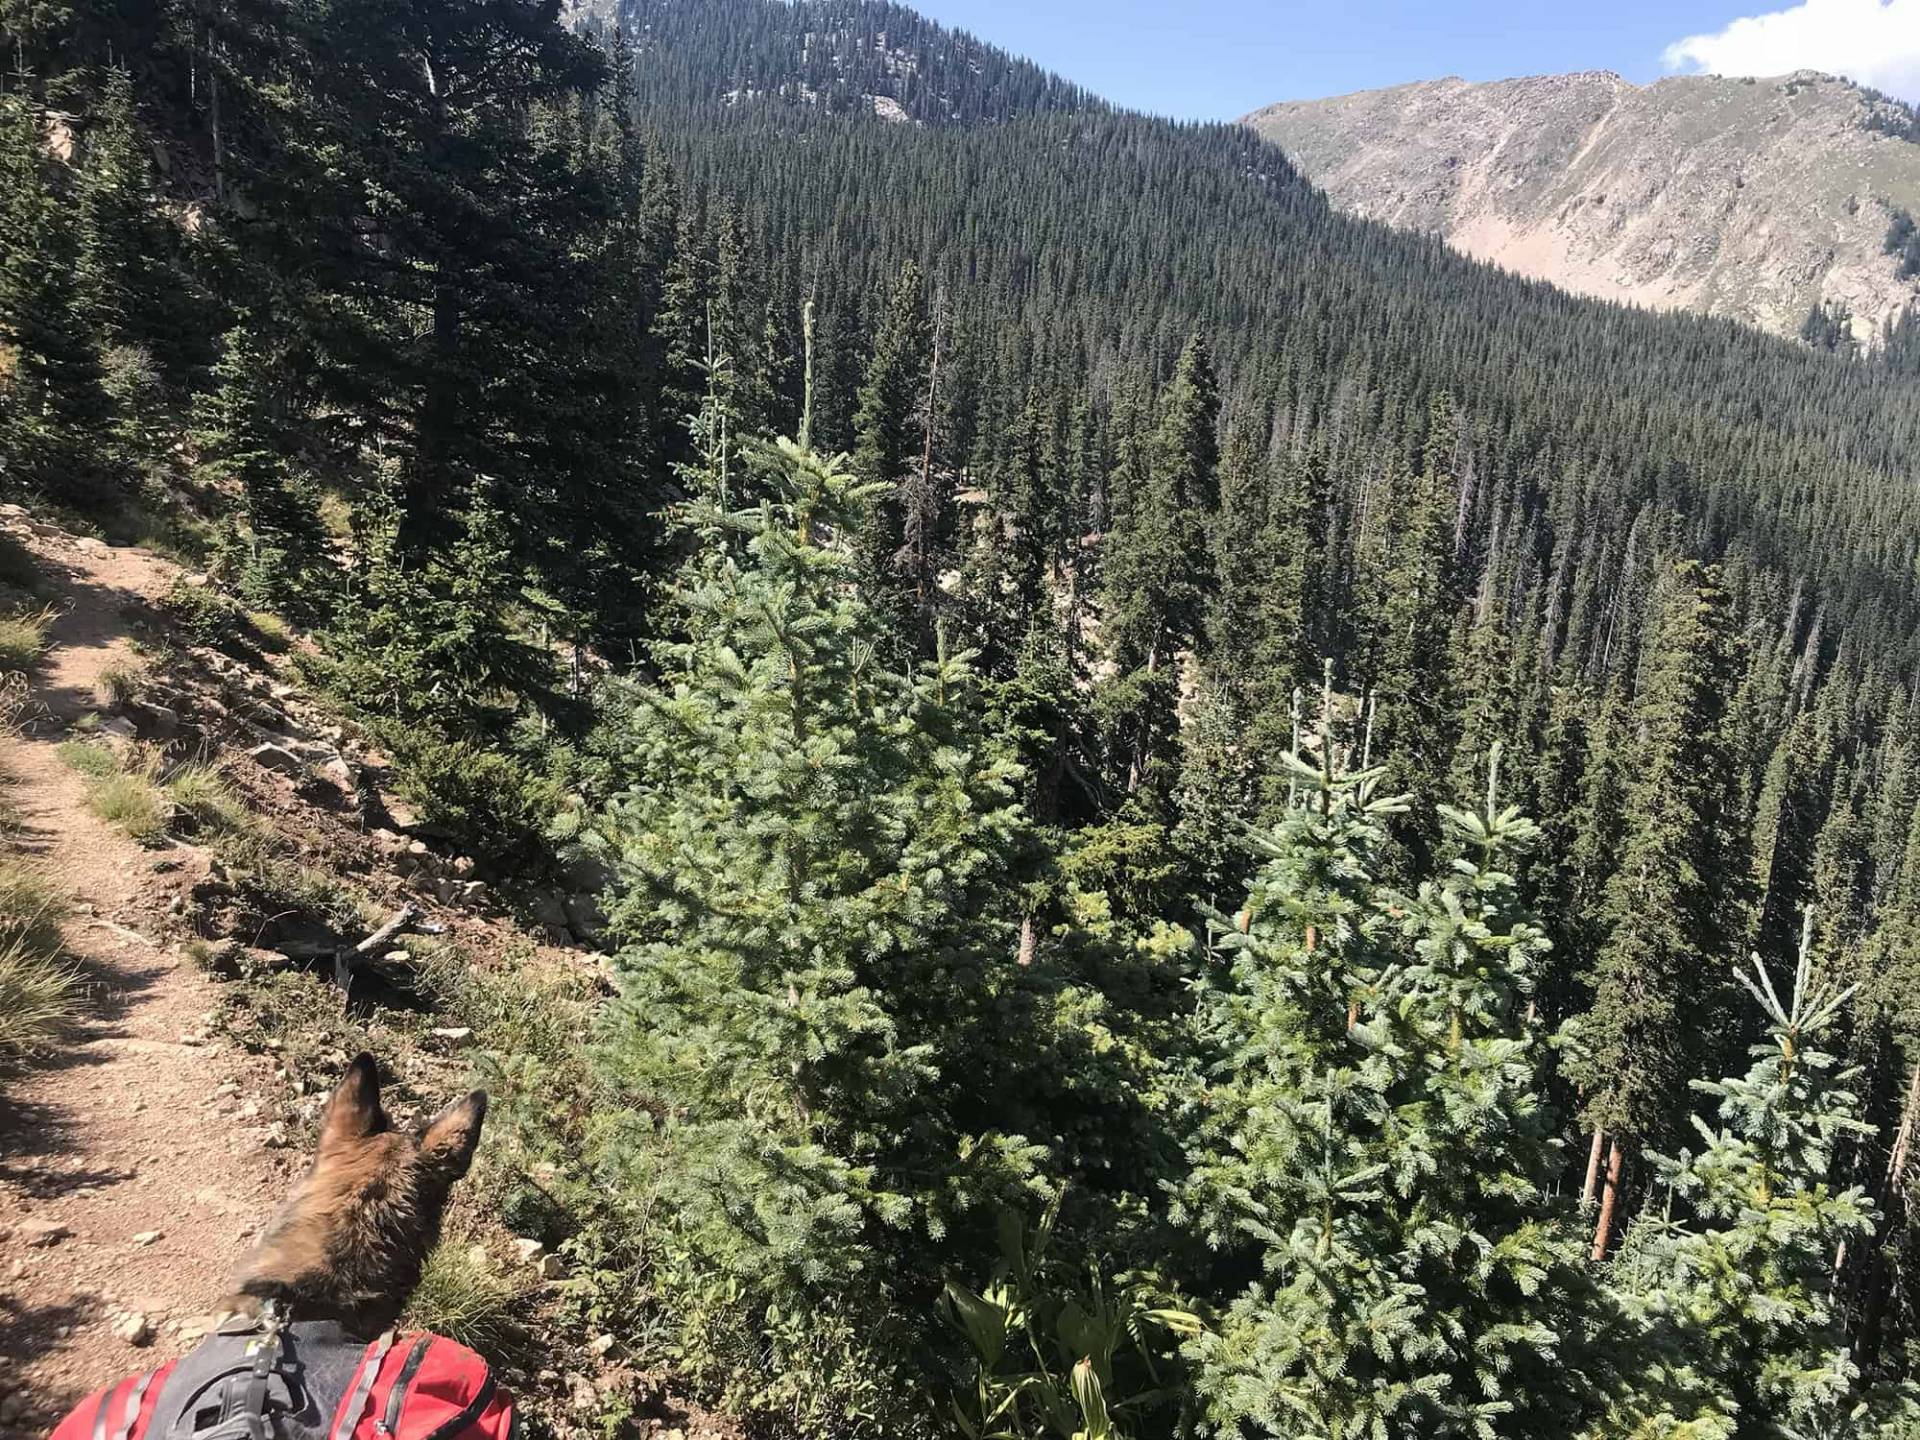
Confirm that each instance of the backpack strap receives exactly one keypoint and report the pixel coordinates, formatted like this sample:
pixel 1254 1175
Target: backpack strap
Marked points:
pixel 135 1398
pixel 351 1408
pixel 389 1423
pixel 266 1359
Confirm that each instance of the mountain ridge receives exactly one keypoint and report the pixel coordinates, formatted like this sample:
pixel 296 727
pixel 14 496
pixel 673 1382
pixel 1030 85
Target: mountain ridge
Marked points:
pixel 1757 200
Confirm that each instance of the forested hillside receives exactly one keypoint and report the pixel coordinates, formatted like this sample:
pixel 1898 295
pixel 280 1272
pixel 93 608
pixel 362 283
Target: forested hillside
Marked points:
pixel 1048 636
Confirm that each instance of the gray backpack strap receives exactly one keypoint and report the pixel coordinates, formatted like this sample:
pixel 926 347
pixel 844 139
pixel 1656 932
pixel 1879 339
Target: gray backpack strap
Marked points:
pixel 132 1413
pixel 355 1404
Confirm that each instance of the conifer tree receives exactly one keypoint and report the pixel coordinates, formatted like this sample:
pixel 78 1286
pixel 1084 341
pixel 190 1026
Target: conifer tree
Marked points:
pixel 52 407
pixel 1156 566
pixel 1266 553
pixel 1729 1287
pixel 454 339
pixel 1373 1147
pixel 1412 678
pixel 813 853
pixel 1670 913
pixel 126 286
pixel 890 433
pixel 246 440
pixel 432 647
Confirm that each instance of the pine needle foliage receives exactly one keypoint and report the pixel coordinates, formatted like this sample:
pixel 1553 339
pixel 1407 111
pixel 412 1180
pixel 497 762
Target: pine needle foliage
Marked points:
pixel 1731 1284
pixel 812 851
pixel 1375 1153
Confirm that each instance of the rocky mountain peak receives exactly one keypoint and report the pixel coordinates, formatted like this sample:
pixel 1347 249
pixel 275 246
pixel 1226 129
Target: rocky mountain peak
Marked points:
pixel 1755 199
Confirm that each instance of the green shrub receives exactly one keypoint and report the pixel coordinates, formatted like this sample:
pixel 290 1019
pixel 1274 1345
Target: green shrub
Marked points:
pixel 498 807
pixel 273 634
pixel 119 684
pixel 18 569
pixel 162 522
pixel 1056 1351
pixel 207 616
pixel 39 996
pixel 274 885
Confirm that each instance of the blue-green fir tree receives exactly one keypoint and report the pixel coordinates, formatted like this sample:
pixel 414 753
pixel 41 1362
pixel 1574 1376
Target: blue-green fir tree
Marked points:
pixel 1374 1152
pixel 819 934
pixel 1728 1289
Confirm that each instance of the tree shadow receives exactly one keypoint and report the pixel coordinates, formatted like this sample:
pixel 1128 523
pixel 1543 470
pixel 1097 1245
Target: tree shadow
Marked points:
pixel 32 1332
pixel 34 1130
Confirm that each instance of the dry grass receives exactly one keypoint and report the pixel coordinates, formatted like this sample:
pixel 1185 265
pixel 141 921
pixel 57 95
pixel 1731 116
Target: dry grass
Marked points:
pixel 23 638
pixel 119 685
pixel 135 803
pixel 207 802
pixel 273 633
pixel 39 991
pixel 18 705
pixel 30 908
pixel 39 998
pixel 125 791
pixel 139 794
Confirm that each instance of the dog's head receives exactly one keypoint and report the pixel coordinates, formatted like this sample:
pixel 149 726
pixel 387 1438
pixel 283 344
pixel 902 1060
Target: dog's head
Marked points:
pixel 351 1239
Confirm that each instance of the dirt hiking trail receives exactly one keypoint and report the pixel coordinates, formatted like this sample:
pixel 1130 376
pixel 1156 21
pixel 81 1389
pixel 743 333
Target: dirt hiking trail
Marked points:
pixel 131 1174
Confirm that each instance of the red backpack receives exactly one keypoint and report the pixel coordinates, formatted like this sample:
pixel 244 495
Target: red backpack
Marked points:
pixel 303 1381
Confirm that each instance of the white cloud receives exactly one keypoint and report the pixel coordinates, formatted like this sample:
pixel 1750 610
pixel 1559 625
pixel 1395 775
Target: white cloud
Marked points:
pixel 1876 42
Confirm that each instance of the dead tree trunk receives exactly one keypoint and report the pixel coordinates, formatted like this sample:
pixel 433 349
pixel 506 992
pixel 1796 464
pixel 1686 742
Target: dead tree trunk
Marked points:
pixel 1594 1151
pixel 1609 1200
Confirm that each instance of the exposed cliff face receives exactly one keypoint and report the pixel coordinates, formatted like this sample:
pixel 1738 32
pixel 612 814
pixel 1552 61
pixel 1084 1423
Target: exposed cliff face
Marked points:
pixel 1751 199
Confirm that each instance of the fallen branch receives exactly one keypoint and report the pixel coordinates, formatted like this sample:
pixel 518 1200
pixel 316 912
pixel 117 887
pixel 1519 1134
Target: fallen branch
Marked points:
pixel 347 958
pixel 405 916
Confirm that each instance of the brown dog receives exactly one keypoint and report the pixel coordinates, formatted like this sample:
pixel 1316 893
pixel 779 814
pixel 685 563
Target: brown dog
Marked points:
pixel 350 1241
pixel 307 1350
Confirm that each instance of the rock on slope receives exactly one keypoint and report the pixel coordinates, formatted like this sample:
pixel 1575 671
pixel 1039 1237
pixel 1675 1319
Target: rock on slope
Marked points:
pixel 1755 199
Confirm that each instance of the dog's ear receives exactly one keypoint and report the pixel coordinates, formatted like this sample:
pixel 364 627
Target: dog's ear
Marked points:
pixel 353 1111
pixel 452 1136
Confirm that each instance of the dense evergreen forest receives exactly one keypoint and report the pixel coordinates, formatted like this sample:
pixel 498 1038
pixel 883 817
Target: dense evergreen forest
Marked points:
pixel 1217 821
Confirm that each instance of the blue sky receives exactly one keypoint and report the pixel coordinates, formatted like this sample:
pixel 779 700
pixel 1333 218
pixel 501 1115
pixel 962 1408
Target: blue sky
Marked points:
pixel 1218 59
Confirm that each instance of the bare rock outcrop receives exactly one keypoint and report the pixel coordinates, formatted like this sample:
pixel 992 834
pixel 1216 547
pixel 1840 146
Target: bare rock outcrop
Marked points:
pixel 1751 199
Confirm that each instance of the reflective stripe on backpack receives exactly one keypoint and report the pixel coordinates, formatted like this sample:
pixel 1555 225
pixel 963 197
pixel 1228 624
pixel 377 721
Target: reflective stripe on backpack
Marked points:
pixel 426 1389
pixel 119 1412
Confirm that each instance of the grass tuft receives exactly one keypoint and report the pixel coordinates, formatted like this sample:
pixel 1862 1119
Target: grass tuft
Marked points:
pixel 39 998
pixel 207 802
pixel 119 685
pixel 463 1296
pixel 273 634
pixel 23 639
pixel 94 761
pixel 39 991
pixel 30 908
pixel 135 803
pixel 135 793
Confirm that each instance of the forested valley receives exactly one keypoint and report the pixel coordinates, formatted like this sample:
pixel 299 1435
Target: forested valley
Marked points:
pixel 1216 820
